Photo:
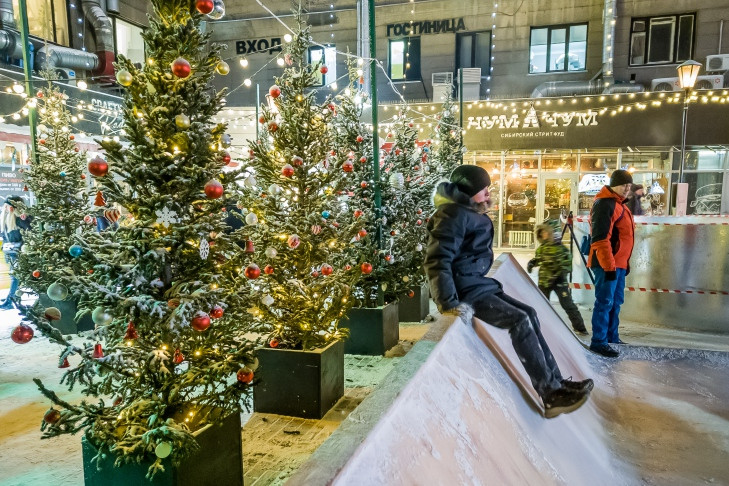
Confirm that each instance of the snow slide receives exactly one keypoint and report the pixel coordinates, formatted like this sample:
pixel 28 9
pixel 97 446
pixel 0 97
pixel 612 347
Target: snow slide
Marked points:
pixel 470 417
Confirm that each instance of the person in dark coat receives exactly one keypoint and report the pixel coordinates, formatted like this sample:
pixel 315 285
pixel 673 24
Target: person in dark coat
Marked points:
pixel 459 254
pixel 12 220
pixel 611 230
pixel 636 194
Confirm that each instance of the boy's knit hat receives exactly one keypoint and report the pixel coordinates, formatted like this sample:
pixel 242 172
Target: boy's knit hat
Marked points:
pixel 470 179
pixel 620 177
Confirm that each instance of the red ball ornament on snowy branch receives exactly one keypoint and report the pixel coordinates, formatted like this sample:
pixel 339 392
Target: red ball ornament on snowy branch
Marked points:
pixel 273 127
pixel 274 91
pixel 297 161
pixel 245 375
pixel 268 269
pixel 252 271
pixel 181 67
pixel 52 416
pixel 225 157
pixel 323 69
pixel 213 189
pixel 200 322
pixel 216 312
pixel 326 269
pixel 287 171
pixel 204 6
pixel 98 167
pixel 348 166
pixel 22 334
pixel 366 268
pixel 360 139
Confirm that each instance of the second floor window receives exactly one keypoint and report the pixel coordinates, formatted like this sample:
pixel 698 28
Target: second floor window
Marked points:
pixel 661 40
pixel 327 56
pixel 473 50
pixel 129 42
pixel 558 48
pixel 47 19
pixel 404 59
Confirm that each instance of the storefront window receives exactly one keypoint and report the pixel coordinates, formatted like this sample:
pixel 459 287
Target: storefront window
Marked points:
pixel 559 163
pixel 520 206
pixel 711 160
pixel 47 19
pixel 12 160
pixel 129 42
pixel 704 193
pixel 598 162
pixel 404 59
pixel 655 192
pixel 646 160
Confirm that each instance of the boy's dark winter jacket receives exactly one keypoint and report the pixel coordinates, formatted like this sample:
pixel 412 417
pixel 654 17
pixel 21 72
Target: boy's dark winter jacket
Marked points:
pixel 459 252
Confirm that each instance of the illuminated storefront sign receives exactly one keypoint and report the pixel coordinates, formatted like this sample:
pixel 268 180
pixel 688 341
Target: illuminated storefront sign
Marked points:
pixel 531 120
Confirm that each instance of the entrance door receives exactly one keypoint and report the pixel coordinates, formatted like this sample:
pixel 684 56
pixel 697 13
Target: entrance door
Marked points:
pixel 557 197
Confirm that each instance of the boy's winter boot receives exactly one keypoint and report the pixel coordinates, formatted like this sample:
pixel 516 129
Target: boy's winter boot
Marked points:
pixel 563 400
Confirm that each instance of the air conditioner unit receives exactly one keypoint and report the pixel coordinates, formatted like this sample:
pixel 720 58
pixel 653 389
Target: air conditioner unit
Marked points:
pixel 717 62
pixel 442 86
pixel 471 79
pixel 66 75
pixel 665 84
pixel 710 81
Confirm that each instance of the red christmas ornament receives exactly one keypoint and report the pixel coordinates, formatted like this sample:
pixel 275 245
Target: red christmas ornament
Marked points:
pixel 131 332
pixel 71 137
pixel 411 293
pixel 98 351
pixel 326 269
pixel 362 233
pixel 348 267
pixel 64 364
pixel 363 159
pixel 216 312
pixel 358 213
pixel 118 401
pixel 173 303
pixel 181 67
pixel 287 171
pixel 245 375
pixel 22 334
pixel 200 322
pixel 314 274
pixel 366 268
pixel 76 149
pixel 52 416
pixel 363 184
pixel 323 69
pixel 388 258
pixel 274 343
pixel 261 120
pixel 419 211
pixel 347 166
pixel 360 139
pixel 83 176
pixel 36 274
pixel 274 91
pixel 204 6
pixel 252 271
pixel 416 167
pixel 178 357
pixel 393 233
pixel 98 167
pixel 249 246
pixel 331 107
pixel 273 127
pixel 419 222
pixel 397 151
pixel 42 141
pixel 213 189
pixel 294 241
pixel 40 94
pixel 268 269
pixel 389 135
pixel 225 158
pixel 297 161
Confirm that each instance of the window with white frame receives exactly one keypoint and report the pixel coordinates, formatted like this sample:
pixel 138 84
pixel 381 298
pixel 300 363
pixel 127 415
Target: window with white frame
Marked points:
pixel 404 59
pixel 662 40
pixel 558 48
pixel 324 56
pixel 129 42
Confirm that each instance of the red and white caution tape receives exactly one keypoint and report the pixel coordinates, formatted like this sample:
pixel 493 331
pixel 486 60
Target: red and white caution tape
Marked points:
pixel 655 223
pixel 584 286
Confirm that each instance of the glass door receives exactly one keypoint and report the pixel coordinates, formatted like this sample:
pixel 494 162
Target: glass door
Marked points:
pixel 519 209
pixel 558 196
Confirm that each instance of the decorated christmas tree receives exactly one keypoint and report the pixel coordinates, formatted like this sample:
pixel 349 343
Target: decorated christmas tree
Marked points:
pixel 169 349
pixel 298 212
pixel 445 153
pixel 46 265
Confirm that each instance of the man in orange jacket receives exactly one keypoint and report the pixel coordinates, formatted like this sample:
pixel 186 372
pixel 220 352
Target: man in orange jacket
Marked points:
pixel 612 245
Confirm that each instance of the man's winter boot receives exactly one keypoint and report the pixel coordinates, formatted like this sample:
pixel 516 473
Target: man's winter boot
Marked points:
pixel 563 400
pixel 584 385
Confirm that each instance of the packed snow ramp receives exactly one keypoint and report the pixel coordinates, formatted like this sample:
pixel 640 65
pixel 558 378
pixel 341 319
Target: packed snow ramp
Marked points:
pixel 469 415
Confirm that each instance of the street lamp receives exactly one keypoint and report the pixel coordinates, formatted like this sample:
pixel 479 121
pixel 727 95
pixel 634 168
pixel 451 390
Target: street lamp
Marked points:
pixel 687 74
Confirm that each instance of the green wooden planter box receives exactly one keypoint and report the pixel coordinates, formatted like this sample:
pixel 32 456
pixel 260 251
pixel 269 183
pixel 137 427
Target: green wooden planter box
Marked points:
pixel 219 461
pixel 299 383
pixel 372 330
pixel 416 308
pixel 68 308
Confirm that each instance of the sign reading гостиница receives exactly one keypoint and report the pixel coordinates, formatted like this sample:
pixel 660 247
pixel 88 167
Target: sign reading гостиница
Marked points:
pixel 426 27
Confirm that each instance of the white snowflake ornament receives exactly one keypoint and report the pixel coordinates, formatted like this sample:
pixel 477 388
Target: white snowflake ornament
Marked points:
pixel 166 217
pixel 204 249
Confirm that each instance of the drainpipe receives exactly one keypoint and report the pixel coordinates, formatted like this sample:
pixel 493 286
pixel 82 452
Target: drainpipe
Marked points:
pixel 609 18
pixel 103 36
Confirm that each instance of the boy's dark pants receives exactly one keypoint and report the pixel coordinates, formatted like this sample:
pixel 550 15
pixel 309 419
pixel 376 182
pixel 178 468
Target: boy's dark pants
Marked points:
pixel 562 289
pixel 500 310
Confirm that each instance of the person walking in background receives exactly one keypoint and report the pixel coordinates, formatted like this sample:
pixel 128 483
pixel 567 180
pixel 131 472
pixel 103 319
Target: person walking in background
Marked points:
pixel 611 229
pixel 11 222
pixel 459 254
pixel 555 263
pixel 636 194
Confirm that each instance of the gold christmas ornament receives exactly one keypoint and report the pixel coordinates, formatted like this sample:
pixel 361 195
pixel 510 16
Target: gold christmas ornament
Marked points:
pixel 124 77
pixel 182 121
pixel 222 68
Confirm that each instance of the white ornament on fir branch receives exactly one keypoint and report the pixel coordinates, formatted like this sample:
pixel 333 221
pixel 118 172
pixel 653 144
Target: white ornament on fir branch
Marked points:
pixel 166 217
pixel 204 248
